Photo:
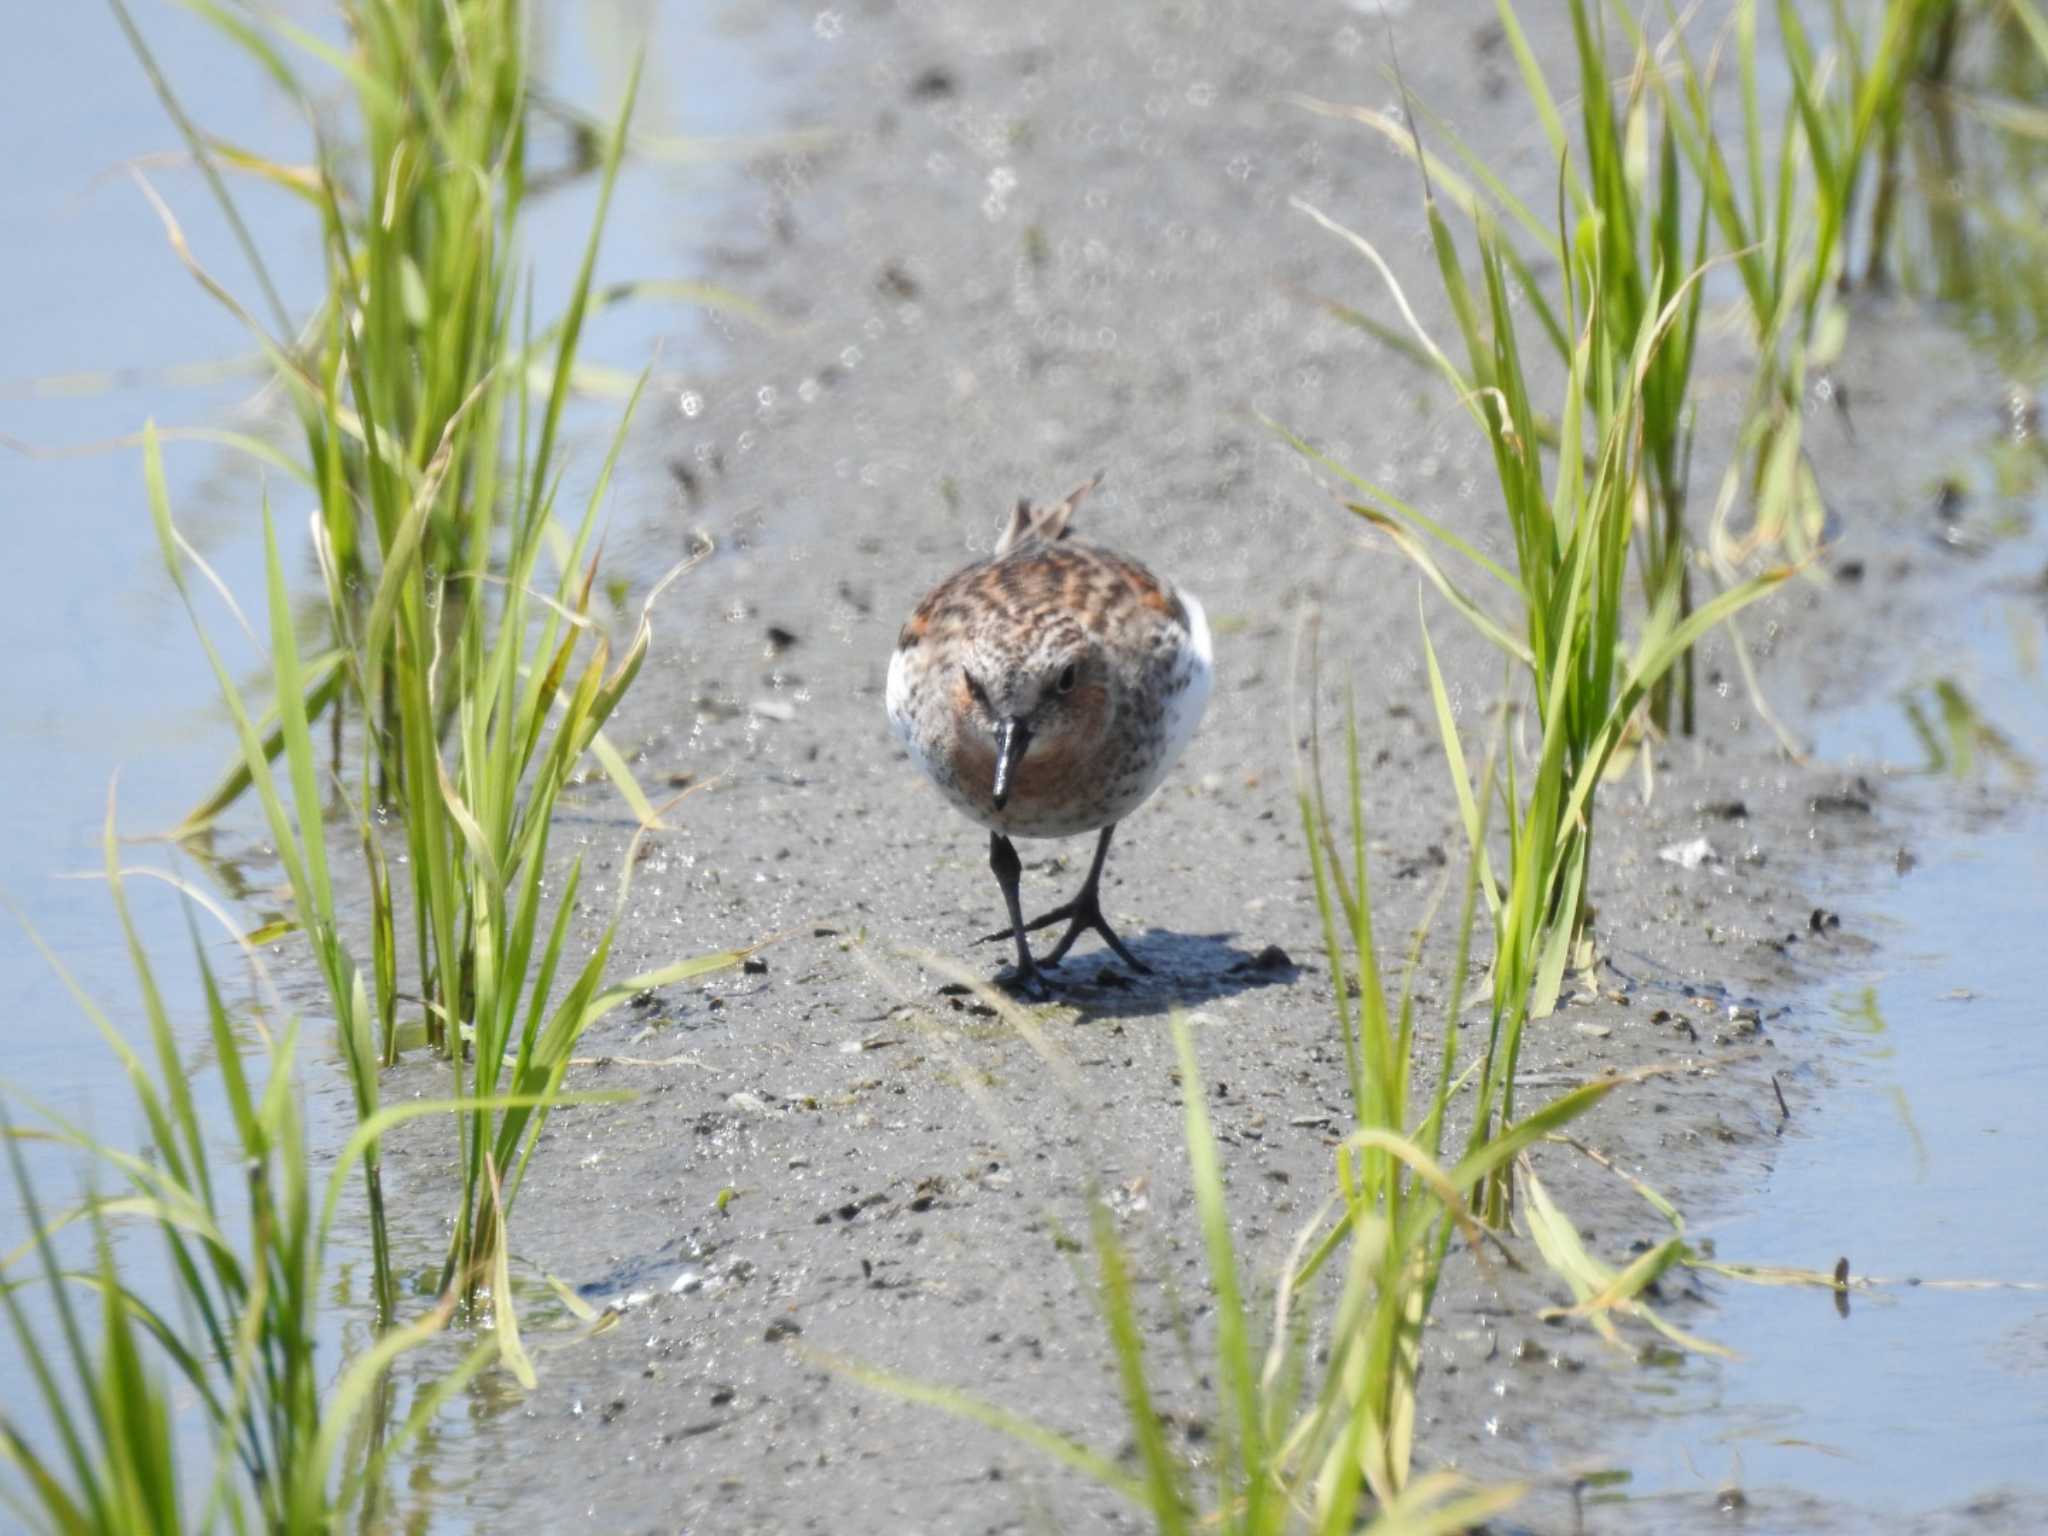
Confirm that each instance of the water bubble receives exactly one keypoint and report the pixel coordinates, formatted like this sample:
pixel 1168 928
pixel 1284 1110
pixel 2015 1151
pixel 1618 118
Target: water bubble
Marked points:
pixel 830 26
pixel 690 403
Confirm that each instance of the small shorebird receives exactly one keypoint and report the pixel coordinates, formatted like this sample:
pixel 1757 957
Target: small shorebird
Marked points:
pixel 1046 691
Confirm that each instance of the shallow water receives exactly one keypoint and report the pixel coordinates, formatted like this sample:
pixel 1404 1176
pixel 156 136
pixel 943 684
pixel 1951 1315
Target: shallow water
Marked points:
pixel 1920 1161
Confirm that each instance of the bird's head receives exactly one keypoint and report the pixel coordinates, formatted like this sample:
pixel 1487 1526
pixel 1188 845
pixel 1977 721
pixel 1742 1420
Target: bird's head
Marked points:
pixel 1040 705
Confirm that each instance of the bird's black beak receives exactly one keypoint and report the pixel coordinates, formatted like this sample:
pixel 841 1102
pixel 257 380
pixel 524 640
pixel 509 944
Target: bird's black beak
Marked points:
pixel 1012 737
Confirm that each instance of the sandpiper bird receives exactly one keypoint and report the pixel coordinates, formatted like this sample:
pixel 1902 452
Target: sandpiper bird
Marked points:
pixel 1046 691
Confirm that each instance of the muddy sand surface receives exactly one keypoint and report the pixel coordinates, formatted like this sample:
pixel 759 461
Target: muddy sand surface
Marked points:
pixel 1047 240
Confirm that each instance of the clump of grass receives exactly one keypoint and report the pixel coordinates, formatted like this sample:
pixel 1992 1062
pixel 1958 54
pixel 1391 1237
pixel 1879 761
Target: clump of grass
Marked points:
pixel 1572 537
pixel 1629 263
pixel 519 1028
pixel 482 685
pixel 1787 207
pixel 246 1225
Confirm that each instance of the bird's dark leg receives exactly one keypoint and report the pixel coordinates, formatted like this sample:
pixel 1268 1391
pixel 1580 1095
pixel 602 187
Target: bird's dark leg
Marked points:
pixel 1081 914
pixel 1002 858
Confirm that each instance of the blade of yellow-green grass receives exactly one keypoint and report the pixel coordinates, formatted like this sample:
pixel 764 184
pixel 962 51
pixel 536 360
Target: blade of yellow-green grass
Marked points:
pixel 666 976
pixel 1439 1505
pixel 1445 1185
pixel 572 324
pixel 1163 1495
pixel 505 1315
pixel 325 678
pixel 543 982
pixel 1454 754
pixel 53 1501
pixel 965 1406
pixel 184 1153
pixel 301 181
pixel 191 1367
pixel 1555 952
pixel 250 39
pixel 427 1405
pixel 167 1200
pixel 1629 1283
pixel 1663 644
pixel 139 1081
pixel 1428 344
pixel 395 580
pixel 1315 832
pixel 1239 1387
pixel 138 1453
pixel 317 900
pixel 1538 90
pixel 1355 1455
pixel 1419 555
pixel 2033 22
pixel 1558 1241
pixel 579 1309
pixel 349 1397
pixel 1596 1286
pixel 1372 991
pixel 290 370
pixel 1399 508
pixel 472 832
pixel 1402 136
pixel 287 845
pixel 195 141
pixel 379 1125
pixel 621 774
pixel 241 442
pixel 1496 1153
pixel 56 1406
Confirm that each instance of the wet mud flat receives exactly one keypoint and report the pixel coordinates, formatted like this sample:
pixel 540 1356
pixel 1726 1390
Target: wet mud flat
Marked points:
pixel 1042 242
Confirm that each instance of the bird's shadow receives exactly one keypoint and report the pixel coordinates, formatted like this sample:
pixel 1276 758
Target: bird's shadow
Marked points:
pixel 1187 969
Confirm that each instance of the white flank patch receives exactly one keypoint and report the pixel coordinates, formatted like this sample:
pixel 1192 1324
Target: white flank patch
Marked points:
pixel 901 725
pixel 1184 710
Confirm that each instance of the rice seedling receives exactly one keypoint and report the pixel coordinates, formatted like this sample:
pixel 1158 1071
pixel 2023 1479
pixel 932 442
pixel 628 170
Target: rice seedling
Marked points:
pixel 432 411
pixel 1631 264
pixel 1788 223
pixel 518 1029
pixel 246 1223
pixel 1572 540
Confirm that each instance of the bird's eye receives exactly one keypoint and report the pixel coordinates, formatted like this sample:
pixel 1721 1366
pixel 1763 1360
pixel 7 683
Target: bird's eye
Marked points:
pixel 1067 678
pixel 980 693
